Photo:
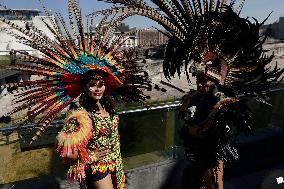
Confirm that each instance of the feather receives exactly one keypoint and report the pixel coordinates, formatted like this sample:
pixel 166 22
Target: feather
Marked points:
pixel 240 7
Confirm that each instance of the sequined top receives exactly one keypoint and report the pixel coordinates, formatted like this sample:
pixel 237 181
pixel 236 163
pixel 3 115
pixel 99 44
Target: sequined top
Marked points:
pixel 106 137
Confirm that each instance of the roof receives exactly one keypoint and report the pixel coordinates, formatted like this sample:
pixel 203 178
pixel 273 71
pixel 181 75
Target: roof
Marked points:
pixel 21 10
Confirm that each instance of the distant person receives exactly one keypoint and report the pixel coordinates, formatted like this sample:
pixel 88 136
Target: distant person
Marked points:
pixel 30 115
pixel 146 53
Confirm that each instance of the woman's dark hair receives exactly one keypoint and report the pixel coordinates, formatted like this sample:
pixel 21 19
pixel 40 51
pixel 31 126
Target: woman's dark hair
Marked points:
pixel 73 106
pixel 90 104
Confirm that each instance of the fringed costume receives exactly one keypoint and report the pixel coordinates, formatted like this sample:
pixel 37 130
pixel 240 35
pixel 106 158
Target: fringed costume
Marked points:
pixel 68 60
pixel 211 41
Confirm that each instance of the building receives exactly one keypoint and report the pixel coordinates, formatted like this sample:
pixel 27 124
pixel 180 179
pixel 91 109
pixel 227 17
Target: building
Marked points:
pixel 143 38
pixel 275 30
pixel 124 28
pixel 281 28
pixel 8 42
pixel 131 40
pixel 26 14
pixel 140 37
pixel 150 38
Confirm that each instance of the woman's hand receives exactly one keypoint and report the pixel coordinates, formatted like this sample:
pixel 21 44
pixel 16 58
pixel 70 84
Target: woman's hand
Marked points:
pixel 73 155
pixel 97 155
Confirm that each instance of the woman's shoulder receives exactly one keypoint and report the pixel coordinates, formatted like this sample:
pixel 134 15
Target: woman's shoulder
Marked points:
pixel 77 113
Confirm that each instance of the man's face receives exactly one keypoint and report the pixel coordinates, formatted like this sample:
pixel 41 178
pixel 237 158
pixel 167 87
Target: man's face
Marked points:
pixel 212 67
pixel 209 85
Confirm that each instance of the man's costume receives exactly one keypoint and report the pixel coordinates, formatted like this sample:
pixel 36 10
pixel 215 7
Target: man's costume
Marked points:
pixel 208 39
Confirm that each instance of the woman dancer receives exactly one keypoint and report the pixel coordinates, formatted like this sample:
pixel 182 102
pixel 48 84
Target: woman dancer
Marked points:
pixel 91 134
pixel 89 66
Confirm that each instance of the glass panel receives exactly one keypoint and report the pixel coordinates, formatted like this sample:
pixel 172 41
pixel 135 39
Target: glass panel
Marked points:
pixel 269 115
pixel 146 137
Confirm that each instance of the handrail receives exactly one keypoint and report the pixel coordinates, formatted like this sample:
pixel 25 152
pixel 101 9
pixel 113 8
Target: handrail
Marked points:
pixel 61 121
pixel 155 107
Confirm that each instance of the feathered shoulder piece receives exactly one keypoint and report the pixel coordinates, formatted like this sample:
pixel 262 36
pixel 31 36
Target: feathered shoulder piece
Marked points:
pixel 67 56
pixel 73 138
pixel 71 143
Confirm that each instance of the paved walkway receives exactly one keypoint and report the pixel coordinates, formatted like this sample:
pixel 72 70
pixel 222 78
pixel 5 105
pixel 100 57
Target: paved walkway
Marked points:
pixel 264 179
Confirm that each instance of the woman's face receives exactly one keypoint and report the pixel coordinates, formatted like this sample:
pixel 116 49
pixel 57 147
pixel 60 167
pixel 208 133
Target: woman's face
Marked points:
pixel 95 89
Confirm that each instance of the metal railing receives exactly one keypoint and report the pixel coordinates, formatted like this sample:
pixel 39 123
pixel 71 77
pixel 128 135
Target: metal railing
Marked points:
pixel 165 105
pixel 61 121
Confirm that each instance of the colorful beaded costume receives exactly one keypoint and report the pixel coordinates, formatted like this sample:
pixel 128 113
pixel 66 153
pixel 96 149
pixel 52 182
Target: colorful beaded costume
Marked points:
pixel 82 131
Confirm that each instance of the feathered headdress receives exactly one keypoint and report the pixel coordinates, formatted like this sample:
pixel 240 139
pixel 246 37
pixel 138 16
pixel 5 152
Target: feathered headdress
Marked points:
pixel 66 59
pixel 209 37
pixel 211 40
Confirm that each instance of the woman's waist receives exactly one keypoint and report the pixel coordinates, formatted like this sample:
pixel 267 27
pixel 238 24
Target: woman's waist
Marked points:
pixel 103 144
pixel 105 165
pixel 102 167
pixel 111 152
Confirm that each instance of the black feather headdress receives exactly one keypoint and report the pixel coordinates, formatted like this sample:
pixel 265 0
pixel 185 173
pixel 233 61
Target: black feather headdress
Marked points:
pixel 209 37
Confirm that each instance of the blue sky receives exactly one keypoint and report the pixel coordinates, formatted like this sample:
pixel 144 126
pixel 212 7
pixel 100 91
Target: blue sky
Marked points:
pixel 252 8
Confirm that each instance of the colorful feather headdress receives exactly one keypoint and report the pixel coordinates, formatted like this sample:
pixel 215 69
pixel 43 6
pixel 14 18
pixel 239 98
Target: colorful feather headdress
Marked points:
pixel 65 60
pixel 209 37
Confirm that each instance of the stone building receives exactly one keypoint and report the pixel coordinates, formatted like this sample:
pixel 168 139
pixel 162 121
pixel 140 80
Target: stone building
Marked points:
pixel 150 38
pixel 142 37
pixel 131 41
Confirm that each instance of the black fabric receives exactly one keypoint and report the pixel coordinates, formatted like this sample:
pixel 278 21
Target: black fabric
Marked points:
pixel 90 178
pixel 204 105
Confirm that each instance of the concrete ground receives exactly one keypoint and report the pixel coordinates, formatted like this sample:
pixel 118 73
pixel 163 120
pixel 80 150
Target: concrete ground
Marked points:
pixel 260 165
pixel 249 181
